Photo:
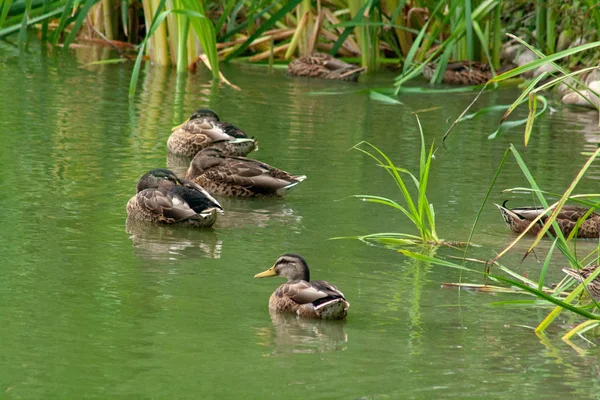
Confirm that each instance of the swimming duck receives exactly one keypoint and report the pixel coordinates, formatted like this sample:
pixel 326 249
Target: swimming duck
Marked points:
pixel 518 219
pixel 161 197
pixel 462 73
pixel 580 275
pixel 239 176
pixel 321 65
pixel 203 129
pixel 300 295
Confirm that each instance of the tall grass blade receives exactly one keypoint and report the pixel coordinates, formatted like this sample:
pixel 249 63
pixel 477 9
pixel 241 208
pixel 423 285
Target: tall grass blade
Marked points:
pixel 81 15
pixel 544 60
pixel 469 30
pixel 205 31
pixel 530 117
pixel 563 200
pixel 485 199
pixel 288 7
pixel 5 7
pixel 546 265
pixel 62 22
pixel 522 96
pixel 157 19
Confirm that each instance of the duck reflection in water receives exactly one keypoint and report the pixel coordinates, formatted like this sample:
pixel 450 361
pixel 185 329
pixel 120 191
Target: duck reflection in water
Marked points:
pixel 291 334
pixel 170 242
pixel 259 213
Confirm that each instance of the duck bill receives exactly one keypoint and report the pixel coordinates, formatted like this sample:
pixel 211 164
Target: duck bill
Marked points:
pixel 180 125
pixel 267 273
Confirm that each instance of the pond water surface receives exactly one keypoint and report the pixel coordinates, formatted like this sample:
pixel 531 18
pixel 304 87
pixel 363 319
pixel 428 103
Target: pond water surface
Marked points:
pixel 92 308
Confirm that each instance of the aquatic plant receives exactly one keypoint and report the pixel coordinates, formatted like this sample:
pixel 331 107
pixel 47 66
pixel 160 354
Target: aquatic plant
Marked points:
pixel 419 211
pixel 558 295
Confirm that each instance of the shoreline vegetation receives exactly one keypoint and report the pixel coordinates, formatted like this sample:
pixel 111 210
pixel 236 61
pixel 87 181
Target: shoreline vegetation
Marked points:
pixel 548 43
pixel 414 37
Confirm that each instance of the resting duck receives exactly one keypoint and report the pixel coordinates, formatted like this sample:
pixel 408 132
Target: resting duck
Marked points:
pixel 580 275
pixel 239 176
pixel 518 219
pixel 202 129
pixel 300 295
pixel 320 65
pixel 161 197
pixel 462 73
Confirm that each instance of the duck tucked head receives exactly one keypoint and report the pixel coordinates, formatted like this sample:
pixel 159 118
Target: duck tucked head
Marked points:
pixel 290 266
pixel 156 178
pixel 205 114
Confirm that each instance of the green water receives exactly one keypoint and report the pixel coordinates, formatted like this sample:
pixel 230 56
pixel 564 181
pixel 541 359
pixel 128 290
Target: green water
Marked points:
pixel 92 308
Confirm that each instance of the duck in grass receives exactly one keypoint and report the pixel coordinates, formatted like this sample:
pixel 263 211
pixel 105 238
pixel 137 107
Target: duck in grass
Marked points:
pixel 461 73
pixel 320 65
pixel 161 197
pixel 300 295
pixel 581 274
pixel 518 219
pixel 239 176
pixel 203 129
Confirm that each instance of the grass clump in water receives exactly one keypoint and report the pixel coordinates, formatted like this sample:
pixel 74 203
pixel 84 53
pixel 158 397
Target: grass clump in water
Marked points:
pixel 419 210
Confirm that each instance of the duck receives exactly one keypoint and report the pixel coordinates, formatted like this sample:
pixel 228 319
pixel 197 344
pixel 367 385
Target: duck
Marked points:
pixel 161 197
pixel 461 73
pixel 239 176
pixel 518 219
pixel 301 296
pixel 203 129
pixel 593 288
pixel 321 65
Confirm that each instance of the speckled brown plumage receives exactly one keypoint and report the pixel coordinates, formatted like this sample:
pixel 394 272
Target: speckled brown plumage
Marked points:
pixel 462 73
pixel 300 295
pixel 320 65
pixel 163 198
pixel 239 176
pixel 594 286
pixel 518 219
pixel 204 129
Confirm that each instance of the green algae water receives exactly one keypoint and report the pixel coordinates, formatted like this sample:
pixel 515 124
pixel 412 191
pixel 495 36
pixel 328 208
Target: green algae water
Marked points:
pixel 94 307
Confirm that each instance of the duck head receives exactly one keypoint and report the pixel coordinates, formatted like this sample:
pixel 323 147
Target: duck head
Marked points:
pixel 156 178
pixel 290 266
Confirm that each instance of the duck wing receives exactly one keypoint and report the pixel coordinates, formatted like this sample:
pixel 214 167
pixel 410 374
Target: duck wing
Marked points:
pixel 201 191
pixel 161 203
pixel 569 213
pixel 207 129
pixel 315 292
pixel 251 173
pixel 194 199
